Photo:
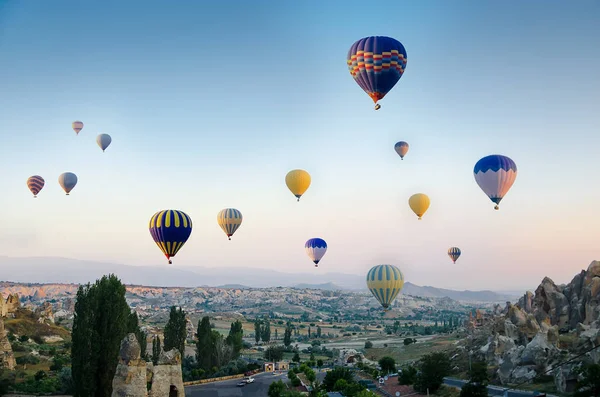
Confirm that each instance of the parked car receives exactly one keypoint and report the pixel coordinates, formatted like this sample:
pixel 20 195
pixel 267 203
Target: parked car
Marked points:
pixel 249 379
pixel 241 384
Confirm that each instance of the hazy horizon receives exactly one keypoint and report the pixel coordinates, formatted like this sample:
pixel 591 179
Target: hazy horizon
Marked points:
pixel 209 106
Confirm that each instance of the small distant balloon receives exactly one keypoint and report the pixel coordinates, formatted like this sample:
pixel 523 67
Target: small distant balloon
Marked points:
pixel 229 219
pixel 454 253
pixel 67 181
pixel 35 184
pixel 77 126
pixel 401 148
pixel 419 203
pixel 298 182
pixel 495 175
pixel 103 140
pixel 315 248
pixel 170 229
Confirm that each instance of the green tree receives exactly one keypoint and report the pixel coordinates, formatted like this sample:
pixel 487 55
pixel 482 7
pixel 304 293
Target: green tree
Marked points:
pixel 368 344
pixel 276 389
pixel 204 344
pixel 319 363
pixel 318 331
pixel 408 375
pixel 589 385
pixel 274 353
pixel 142 338
pixel 387 364
pixel 176 331
pixel 296 358
pixel 100 323
pixel 433 368
pixel 276 334
pixel 266 331
pixel 235 338
pixel 156 349
pixel 257 330
pixel 287 336
pixel 338 373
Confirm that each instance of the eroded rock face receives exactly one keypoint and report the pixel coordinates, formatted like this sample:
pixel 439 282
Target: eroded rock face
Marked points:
pixel 7 358
pixel 167 375
pixel 130 377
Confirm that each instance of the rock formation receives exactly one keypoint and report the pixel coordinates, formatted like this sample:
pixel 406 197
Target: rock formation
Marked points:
pixel 45 313
pixel 7 358
pixel 133 373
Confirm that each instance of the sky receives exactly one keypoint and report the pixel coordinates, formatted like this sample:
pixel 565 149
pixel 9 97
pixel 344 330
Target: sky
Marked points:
pixel 210 104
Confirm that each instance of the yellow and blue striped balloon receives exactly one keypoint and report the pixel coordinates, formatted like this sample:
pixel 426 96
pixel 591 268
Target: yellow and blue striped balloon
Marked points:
pixel 170 229
pixel 229 219
pixel 454 253
pixel 385 283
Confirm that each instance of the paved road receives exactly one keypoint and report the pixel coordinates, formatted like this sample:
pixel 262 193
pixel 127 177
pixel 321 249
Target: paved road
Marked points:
pixel 229 388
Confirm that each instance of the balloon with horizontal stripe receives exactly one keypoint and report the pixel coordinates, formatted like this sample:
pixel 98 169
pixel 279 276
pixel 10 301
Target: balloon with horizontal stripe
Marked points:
pixel 316 248
pixel 454 253
pixel 77 126
pixel 401 148
pixel 170 229
pixel 495 175
pixel 229 219
pixel 67 180
pixel 35 184
pixel 376 63
pixel 103 140
pixel 385 283
pixel 419 203
pixel 298 182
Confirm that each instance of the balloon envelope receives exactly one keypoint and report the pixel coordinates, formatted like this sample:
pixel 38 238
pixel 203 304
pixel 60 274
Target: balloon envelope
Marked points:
pixel 401 148
pixel 298 182
pixel 170 229
pixel 495 175
pixel 229 219
pixel 376 63
pixel 77 126
pixel 67 181
pixel 385 283
pixel 103 140
pixel 419 203
pixel 35 184
pixel 454 253
pixel 315 248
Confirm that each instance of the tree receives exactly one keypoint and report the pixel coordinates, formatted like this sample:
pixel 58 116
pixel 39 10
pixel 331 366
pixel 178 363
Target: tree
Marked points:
pixel 433 368
pixel 287 336
pixel 319 363
pixel 407 341
pixel 176 331
pixel 100 323
pixel 387 364
pixel 156 349
pixel 266 332
pixel 220 351
pixel 235 338
pixel 333 376
pixel 274 353
pixel 257 330
pixel 204 344
pixel 474 390
pixel 408 375
pixel 296 358
pixel 368 344
pixel 141 336
pixel 318 331
pixel 276 389
pixel 589 385
pixel 276 334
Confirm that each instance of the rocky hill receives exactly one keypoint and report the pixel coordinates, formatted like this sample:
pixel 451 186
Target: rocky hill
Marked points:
pixel 527 340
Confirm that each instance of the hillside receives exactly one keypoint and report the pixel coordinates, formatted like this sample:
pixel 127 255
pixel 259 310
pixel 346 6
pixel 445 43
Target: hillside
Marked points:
pixel 26 323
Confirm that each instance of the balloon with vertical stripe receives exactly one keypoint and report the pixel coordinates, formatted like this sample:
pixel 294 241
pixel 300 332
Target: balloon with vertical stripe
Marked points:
pixel 67 180
pixel 376 63
pixel 401 148
pixel 170 229
pixel 315 248
pixel 298 182
pixel 229 219
pixel 454 253
pixel 35 184
pixel 495 175
pixel 77 126
pixel 385 283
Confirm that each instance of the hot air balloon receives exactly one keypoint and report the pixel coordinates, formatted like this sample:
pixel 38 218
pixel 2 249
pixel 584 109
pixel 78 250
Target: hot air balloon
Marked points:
pixel 103 140
pixel 419 203
pixel 401 148
pixel 298 182
pixel 454 253
pixel 377 63
pixel 35 183
pixel 315 248
pixel 495 174
pixel 385 282
pixel 67 181
pixel 229 219
pixel 170 229
pixel 77 126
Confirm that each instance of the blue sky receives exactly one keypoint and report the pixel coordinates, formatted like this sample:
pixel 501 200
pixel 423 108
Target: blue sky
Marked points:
pixel 210 105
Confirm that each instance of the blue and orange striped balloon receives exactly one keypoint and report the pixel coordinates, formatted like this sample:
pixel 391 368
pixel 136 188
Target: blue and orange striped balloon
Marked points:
pixel 454 253
pixel 229 219
pixel 35 184
pixel 385 283
pixel 377 63
pixel 170 229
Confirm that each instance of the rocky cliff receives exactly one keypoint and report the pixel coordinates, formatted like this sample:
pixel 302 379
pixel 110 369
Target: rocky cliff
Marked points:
pixel 7 358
